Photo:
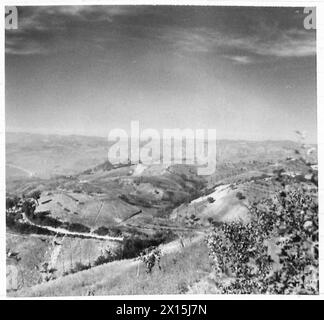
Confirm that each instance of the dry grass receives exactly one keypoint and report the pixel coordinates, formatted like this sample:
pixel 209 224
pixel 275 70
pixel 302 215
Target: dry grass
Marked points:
pixel 179 271
pixel 31 252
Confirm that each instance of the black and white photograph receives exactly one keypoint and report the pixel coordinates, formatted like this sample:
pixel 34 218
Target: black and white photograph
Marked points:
pixel 160 149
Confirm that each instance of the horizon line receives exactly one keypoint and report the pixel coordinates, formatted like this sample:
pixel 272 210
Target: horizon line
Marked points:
pixel 62 134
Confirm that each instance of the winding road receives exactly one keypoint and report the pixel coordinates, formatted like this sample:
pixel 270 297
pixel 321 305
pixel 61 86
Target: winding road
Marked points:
pixel 65 232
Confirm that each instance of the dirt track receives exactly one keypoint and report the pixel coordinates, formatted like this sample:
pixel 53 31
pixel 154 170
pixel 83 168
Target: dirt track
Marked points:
pixel 65 232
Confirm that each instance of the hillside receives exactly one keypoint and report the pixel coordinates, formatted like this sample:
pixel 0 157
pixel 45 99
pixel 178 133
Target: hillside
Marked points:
pixel 45 156
pixel 64 243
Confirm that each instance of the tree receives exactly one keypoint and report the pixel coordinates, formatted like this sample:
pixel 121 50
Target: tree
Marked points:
pixel 11 202
pixel 35 195
pixel 28 206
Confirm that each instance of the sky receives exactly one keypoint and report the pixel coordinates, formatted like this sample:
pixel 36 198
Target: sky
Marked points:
pixel 248 72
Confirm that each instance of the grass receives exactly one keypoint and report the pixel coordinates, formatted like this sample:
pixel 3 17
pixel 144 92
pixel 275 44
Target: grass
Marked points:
pixel 180 270
pixel 32 252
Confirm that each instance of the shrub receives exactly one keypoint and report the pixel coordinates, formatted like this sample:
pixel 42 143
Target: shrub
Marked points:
pixel 277 252
pixel 151 257
pixel 210 199
pixel 42 219
pixel 11 202
pixel 106 257
pixel 35 195
pixel 79 266
pixel 101 231
pixel 24 228
pixel 133 246
pixel 192 220
pixel 76 227
pixel 182 287
pixel 240 196
pixel 111 231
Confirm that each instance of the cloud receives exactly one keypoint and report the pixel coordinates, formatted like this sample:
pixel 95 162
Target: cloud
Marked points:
pixel 290 43
pixel 247 48
pixel 50 29
pixel 26 49
pixel 240 59
pixel 44 30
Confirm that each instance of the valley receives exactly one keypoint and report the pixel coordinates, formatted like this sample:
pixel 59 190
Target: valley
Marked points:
pixel 79 225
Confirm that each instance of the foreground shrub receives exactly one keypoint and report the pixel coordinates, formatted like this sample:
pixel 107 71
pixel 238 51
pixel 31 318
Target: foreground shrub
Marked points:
pixel 105 257
pixel 151 257
pixel 276 253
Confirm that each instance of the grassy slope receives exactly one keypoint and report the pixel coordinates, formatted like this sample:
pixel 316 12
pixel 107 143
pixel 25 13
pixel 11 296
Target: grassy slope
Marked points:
pixel 32 252
pixel 180 269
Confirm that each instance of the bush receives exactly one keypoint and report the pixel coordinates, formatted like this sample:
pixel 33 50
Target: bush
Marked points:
pixel 42 219
pixel 102 259
pixel 101 231
pixel 210 199
pixel 76 227
pixel 240 196
pixel 151 257
pixel 24 228
pixel 35 195
pixel 182 287
pixel 79 266
pixel 133 246
pixel 277 252
pixel 11 202
pixel 192 220
pixel 111 231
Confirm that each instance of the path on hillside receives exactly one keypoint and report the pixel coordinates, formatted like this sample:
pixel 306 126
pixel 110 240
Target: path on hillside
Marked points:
pixel 65 232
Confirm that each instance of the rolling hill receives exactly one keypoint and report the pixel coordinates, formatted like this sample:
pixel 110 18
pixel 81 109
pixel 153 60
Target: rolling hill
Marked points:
pixel 146 204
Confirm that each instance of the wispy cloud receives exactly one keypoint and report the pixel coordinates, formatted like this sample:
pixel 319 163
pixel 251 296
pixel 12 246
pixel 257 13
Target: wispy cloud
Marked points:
pixel 240 59
pixel 49 29
pixel 245 49
pixel 30 48
pixel 45 30
pixel 48 17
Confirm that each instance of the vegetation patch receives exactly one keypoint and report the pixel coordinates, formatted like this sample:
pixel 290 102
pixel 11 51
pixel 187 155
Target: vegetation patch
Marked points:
pixel 276 253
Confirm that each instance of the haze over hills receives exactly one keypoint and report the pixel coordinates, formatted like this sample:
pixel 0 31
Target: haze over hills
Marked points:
pixel 44 156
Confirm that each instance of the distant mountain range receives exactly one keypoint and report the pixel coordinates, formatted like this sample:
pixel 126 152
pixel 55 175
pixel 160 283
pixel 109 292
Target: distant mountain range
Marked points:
pixel 50 155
